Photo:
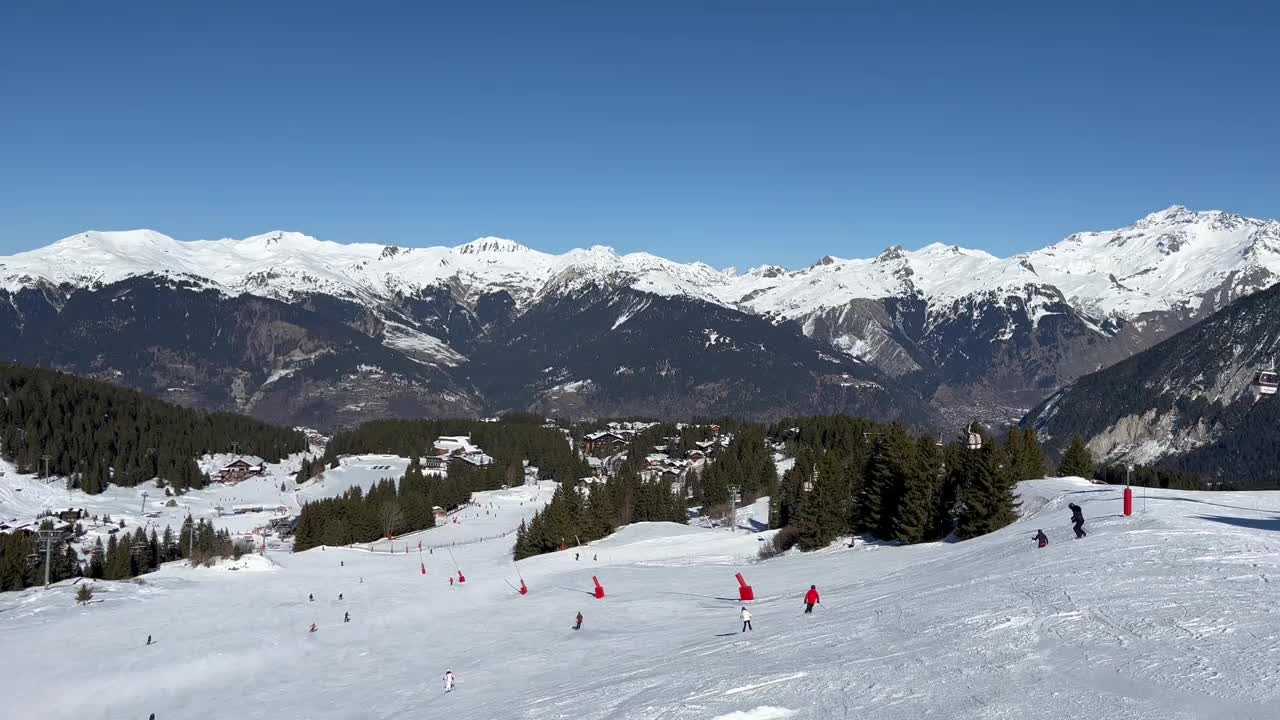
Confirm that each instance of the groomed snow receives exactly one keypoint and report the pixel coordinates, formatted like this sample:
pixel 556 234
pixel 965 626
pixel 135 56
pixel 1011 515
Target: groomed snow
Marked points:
pixel 1170 614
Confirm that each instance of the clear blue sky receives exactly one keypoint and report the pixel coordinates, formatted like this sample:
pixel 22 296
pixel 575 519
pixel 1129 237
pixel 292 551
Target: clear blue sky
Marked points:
pixel 734 132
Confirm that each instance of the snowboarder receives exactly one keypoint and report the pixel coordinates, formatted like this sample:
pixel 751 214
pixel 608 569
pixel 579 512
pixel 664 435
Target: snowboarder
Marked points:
pixel 448 681
pixel 810 599
pixel 311 597
pixel 746 620
pixel 346 617
pixel 578 626
pixel 339 596
pixel 313 627
pixel 148 639
pixel 1041 539
pixel 1077 520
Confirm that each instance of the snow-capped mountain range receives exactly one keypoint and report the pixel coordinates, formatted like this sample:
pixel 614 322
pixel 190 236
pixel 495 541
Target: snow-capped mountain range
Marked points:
pixel 965 330
pixel 1167 261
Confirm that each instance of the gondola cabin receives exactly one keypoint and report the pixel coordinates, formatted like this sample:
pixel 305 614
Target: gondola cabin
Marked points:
pixel 1266 383
pixel 975 441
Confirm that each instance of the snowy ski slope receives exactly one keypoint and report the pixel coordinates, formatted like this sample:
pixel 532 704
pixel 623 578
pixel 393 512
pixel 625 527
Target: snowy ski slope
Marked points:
pixel 1171 614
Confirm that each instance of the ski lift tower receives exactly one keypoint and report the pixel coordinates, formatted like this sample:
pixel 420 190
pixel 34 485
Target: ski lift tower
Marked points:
pixel 47 539
pixel 733 508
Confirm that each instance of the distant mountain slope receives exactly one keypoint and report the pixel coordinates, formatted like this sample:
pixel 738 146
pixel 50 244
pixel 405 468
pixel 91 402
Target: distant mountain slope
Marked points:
pixel 1187 400
pixel 973 334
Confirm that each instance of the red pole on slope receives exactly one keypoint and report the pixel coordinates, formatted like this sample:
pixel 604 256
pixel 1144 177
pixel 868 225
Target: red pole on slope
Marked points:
pixel 1128 501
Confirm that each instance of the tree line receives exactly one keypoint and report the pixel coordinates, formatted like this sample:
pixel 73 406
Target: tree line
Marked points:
pixel 853 476
pixel 123 556
pixel 94 433
pixel 585 513
pixel 389 507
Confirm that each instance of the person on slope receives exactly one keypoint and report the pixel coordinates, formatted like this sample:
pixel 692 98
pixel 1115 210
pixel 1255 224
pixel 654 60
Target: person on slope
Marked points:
pixel 1077 520
pixel 448 681
pixel 311 598
pixel 1041 539
pixel 313 628
pixel 810 599
pixel 346 617
pixel 578 626
pixel 746 620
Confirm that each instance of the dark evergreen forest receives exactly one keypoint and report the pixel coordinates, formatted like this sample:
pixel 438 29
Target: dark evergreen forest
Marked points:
pixel 95 433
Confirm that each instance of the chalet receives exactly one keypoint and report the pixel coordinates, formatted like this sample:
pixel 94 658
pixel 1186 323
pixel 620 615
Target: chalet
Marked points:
pixel 284 526
pixel 244 509
pixel 435 462
pixel 605 442
pixel 453 445
pixel 239 470
pixel 71 515
pixel 476 458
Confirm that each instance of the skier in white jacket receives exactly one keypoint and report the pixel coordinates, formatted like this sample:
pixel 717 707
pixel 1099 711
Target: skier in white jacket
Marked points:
pixel 448 681
pixel 746 620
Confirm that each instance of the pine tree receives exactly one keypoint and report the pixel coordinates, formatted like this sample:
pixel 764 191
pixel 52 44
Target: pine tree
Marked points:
pixel 97 567
pixel 1077 461
pixel 824 510
pixel 986 500
pixel 84 594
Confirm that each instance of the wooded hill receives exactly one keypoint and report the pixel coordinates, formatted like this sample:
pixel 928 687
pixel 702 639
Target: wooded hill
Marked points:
pixel 95 433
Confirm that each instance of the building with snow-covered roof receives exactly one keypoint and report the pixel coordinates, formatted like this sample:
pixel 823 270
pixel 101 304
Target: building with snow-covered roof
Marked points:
pixel 453 444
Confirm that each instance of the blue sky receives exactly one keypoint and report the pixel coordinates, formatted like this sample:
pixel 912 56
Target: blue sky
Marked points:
pixel 737 133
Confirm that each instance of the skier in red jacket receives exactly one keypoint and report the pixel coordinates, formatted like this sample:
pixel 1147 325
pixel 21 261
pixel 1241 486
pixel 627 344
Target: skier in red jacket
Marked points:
pixel 811 599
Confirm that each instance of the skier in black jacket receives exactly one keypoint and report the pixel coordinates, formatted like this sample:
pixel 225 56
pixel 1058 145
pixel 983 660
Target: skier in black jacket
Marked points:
pixel 1077 520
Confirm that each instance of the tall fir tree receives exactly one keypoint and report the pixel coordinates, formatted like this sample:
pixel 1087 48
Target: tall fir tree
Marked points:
pixel 1077 461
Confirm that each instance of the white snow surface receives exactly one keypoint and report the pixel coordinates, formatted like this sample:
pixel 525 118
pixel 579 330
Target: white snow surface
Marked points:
pixel 1169 259
pixel 1169 614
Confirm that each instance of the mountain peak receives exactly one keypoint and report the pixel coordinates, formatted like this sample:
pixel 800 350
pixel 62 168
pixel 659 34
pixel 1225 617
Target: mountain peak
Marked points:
pixel 490 245
pixel 1171 214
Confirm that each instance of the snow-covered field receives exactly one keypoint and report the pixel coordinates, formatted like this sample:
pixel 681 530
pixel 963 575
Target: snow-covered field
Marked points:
pixel 1173 613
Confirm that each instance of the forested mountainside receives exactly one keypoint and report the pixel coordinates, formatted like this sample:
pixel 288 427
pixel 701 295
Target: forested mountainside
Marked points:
pixel 1188 402
pixel 95 433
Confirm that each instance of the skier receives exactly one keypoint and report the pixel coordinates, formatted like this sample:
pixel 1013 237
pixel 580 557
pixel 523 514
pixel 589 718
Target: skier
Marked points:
pixel 595 557
pixel 342 563
pixel 575 556
pixel 311 597
pixel 1077 520
pixel 448 681
pixel 811 599
pixel 339 596
pixel 313 627
pixel 746 619
pixel 346 617
pixel 450 581
pixel 148 639
pixel 1041 539
pixel 579 625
